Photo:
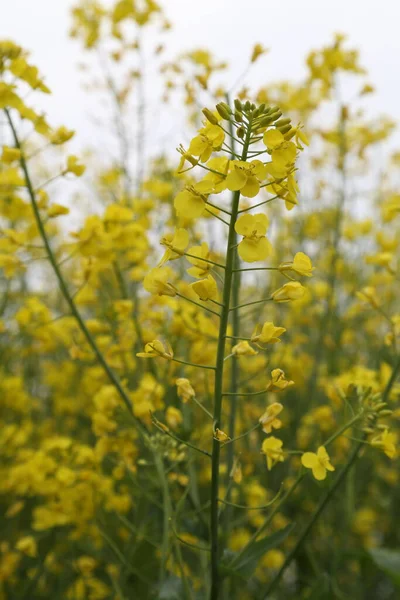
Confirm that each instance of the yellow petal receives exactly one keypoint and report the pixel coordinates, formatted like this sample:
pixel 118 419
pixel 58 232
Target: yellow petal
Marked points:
pixel 309 460
pixel 236 180
pixel 251 187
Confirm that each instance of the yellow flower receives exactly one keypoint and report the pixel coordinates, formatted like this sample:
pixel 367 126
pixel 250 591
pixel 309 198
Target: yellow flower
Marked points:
pixel 200 267
pixel 319 463
pixel 301 264
pixel 246 177
pixel 206 289
pixel 269 334
pixel 185 156
pixel 156 348
pixel 10 155
pixel 272 448
pixel 184 389
pixel 368 294
pixel 243 349
pixel 386 441
pixel 278 381
pixel 61 135
pixel 190 203
pixel 210 138
pixel 27 545
pixel 221 435
pixel 268 419
pixel 176 244
pixel 74 166
pixel 283 153
pixel 173 417
pixel 290 291
pixel 254 246
pixel 156 282
pixel 258 50
pixel 55 210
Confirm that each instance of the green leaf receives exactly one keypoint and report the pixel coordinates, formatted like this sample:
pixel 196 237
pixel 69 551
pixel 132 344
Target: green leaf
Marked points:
pixel 243 565
pixel 389 561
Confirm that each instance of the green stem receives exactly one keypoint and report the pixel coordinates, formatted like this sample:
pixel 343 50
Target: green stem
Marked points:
pixel 214 312
pixel 167 513
pixel 218 389
pixel 63 286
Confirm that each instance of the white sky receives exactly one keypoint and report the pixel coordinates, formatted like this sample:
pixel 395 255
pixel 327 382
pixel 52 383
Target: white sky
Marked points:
pixel 290 28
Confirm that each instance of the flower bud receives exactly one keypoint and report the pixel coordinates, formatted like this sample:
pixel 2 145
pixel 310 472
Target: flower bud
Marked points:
pixel 224 110
pixel 282 122
pixel 385 413
pixel 240 131
pixel 238 116
pixel 238 105
pixel 210 116
pixel 275 115
pixel 285 128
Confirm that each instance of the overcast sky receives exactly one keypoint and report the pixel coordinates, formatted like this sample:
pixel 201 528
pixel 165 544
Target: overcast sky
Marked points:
pixel 290 28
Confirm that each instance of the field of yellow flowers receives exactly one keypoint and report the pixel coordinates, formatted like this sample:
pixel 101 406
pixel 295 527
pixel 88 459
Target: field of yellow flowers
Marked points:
pixel 200 382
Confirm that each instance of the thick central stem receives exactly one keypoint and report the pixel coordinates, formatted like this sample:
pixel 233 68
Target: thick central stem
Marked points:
pixel 219 377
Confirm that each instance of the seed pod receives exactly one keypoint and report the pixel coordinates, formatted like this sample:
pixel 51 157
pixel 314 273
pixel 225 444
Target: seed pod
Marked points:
pixel 210 116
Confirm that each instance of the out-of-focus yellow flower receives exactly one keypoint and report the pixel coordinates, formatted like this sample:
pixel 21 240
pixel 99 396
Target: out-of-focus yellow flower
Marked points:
pixel 74 166
pixel 272 448
pixel 173 417
pixel 27 545
pixel 258 50
pixel 221 436
pixel 155 349
pixel 269 419
pixel 290 291
pixel 206 289
pixel 243 348
pixel 156 282
pixel 176 244
pixel 319 462
pixel 184 389
pixel 269 334
pixel 368 294
pixel 301 264
pixel 386 442
pixel 278 381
